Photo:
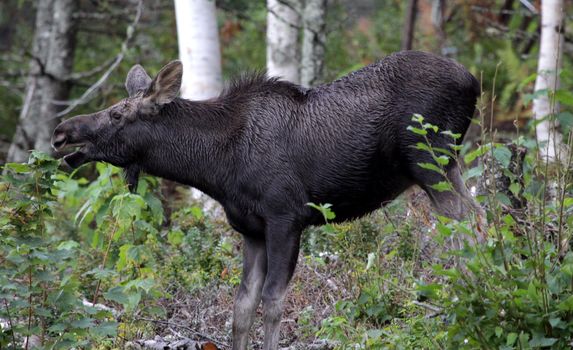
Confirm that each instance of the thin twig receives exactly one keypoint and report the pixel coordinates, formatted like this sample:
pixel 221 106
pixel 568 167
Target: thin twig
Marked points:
pixel 86 96
pixel 436 310
pixel 10 322
pixel 194 332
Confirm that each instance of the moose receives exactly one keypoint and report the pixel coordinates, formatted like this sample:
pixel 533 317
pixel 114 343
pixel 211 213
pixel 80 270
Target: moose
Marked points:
pixel 265 148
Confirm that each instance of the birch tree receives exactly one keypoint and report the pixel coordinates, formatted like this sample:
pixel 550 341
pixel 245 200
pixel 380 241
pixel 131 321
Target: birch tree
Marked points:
pixel 51 65
pixel 199 50
pixel 313 42
pixel 200 53
pixel 283 24
pixel 550 50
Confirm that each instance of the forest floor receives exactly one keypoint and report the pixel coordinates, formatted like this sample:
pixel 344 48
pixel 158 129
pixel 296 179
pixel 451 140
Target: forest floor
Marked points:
pixel 319 283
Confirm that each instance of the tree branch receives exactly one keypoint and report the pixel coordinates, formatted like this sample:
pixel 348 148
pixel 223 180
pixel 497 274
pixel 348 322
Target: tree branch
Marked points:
pixel 87 95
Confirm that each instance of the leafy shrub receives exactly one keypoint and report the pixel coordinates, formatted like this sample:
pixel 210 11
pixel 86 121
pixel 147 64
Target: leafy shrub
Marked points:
pixel 514 292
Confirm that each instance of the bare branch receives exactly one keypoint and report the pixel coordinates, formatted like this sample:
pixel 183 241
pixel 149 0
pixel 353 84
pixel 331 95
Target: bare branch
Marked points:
pixel 435 309
pixel 87 95
pixel 195 333
pixel 82 75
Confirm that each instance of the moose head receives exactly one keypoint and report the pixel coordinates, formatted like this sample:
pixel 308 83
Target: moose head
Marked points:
pixel 119 134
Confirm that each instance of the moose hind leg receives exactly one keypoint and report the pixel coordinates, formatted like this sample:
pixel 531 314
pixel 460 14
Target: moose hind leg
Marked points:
pixel 249 294
pixel 457 204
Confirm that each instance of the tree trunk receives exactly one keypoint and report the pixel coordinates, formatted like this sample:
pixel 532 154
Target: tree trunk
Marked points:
pixel 409 24
pixel 283 24
pixel 438 11
pixel 313 44
pixel 51 65
pixel 199 51
pixel 550 49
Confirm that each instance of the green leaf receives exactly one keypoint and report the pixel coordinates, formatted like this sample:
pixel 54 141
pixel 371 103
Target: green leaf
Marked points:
pixel 431 127
pixel 117 295
pixel 564 96
pixel 127 206
pixel 105 329
pixel 417 130
pixel 57 328
pixel 474 172
pixel 503 198
pixel 530 97
pixel 123 258
pixel 556 322
pixel 175 237
pixel 68 245
pixel 566 305
pixel 137 253
pixel 18 167
pixel 99 273
pixel 197 212
pixel 156 208
pixel 324 209
pixel 442 160
pixel 374 333
pixel 565 119
pixel 423 147
pixel 444 151
pixel 145 284
pixel 531 78
pixel 431 166
pixel 539 340
pixel 511 338
pixel 480 151
pixel 514 188
pixel 451 134
pixel 503 155
pixel 418 118
pixel 83 323
pixel 134 299
pixel 442 186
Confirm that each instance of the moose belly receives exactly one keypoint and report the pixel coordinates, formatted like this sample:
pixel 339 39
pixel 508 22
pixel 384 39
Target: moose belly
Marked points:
pixel 358 198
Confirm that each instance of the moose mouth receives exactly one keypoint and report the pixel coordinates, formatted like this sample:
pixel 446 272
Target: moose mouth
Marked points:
pixel 76 158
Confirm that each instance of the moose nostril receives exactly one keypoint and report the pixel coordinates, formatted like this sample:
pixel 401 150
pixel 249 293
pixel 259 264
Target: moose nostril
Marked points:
pixel 59 140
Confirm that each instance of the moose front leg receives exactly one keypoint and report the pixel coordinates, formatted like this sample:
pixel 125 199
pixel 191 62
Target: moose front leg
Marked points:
pixel 249 294
pixel 283 242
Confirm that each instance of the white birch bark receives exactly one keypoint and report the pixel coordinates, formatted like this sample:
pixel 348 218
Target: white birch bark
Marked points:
pixel 550 50
pixel 199 50
pixel 283 24
pixel 200 53
pixel 313 42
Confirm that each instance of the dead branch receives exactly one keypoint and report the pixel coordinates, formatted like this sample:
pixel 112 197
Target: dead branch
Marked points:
pixel 436 310
pixel 87 95
pixel 82 75
pixel 195 333
pixel 161 344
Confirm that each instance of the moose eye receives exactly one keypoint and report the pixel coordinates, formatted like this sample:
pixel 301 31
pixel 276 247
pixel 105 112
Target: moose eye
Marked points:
pixel 115 116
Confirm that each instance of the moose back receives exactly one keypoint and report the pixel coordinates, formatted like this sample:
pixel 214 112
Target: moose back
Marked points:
pixel 265 148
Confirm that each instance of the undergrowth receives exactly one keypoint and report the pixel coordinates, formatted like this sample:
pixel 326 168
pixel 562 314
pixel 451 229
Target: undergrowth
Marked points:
pixel 86 264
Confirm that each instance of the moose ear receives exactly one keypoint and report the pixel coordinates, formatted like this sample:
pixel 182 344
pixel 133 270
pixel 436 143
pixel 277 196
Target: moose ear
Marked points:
pixel 166 85
pixel 137 80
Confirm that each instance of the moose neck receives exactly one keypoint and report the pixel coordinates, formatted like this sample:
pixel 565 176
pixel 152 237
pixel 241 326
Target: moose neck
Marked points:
pixel 192 145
